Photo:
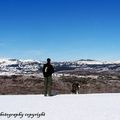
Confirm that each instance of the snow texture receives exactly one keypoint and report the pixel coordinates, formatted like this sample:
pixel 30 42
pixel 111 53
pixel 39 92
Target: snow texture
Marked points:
pixel 64 107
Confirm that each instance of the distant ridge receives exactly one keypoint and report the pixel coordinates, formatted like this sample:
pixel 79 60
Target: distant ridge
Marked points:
pixel 86 60
pixel 16 66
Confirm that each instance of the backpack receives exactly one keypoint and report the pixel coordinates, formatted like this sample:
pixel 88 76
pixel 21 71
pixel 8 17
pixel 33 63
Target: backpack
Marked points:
pixel 48 70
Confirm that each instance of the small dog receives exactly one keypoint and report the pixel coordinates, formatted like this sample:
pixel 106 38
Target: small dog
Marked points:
pixel 75 88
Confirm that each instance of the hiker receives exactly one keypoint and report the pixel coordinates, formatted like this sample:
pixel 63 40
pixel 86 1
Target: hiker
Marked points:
pixel 48 70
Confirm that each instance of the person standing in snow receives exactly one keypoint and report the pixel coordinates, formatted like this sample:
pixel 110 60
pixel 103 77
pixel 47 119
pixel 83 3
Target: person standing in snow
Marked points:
pixel 48 70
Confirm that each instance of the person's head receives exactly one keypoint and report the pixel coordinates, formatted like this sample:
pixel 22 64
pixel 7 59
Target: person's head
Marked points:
pixel 48 60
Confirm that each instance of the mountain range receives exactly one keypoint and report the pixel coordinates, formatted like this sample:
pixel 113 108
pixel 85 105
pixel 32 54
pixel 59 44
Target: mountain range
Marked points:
pixel 15 66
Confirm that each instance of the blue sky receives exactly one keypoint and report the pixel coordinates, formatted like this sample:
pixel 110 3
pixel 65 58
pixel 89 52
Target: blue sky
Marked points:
pixel 60 29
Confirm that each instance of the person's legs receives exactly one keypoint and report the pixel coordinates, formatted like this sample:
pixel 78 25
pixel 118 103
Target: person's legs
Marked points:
pixel 49 85
pixel 45 86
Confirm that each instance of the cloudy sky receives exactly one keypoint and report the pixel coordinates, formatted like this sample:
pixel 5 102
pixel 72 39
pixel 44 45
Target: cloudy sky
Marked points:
pixel 60 29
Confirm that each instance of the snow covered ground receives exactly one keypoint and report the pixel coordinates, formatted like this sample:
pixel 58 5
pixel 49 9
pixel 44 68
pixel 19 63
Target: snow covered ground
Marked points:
pixel 61 107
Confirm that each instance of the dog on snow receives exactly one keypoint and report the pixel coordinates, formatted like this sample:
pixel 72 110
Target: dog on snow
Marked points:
pixel 75 88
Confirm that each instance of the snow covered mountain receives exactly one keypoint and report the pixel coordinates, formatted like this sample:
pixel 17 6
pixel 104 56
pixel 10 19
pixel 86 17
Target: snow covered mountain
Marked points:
pixel 15 66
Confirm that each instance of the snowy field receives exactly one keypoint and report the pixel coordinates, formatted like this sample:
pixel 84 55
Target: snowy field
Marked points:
pixel 60 107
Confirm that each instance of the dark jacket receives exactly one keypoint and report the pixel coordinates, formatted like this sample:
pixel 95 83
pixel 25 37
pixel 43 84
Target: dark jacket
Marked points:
pixel 47 70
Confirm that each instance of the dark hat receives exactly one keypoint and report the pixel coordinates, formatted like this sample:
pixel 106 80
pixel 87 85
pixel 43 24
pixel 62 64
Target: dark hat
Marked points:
pixel 48 59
